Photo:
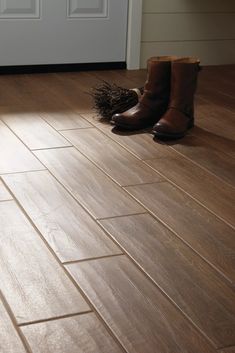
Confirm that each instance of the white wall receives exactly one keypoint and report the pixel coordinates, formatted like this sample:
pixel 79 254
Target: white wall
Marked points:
pixel 202 28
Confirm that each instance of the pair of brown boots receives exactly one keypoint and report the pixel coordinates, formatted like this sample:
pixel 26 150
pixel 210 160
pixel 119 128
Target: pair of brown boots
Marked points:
pixel 168 100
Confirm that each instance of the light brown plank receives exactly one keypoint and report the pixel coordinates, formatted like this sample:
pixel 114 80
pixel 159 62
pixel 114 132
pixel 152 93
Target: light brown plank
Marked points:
pixel 33 283
pixel 114 160
pixel 78 334
pixel 4 194
pixel 14 156
pixel 141 144
pixel 33 130
pixel 185 278
pixel 136 311
pixel 209 190
pixel 201 230
pixel 63 120
pixel 202 153
pixel 91 187
pixel 69 230
pixel 10 341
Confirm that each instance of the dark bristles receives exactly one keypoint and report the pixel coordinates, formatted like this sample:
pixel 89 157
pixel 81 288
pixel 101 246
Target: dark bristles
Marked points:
pixel 110 99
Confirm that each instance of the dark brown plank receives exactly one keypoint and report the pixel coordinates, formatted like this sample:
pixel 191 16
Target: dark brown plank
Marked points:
pixel 228 350
pixel 69 230
pixel 186 279
pixel 113 159
pixel 203 154
pixel 33 283
pixel 209 190
pixel 139 315
pixel 78 334
pixel 141 144
pixel 14 156
pixel 197 227
pixel 91 187
pixel 10 341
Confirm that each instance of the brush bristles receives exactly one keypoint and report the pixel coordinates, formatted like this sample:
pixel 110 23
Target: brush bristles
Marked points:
pixel 110 99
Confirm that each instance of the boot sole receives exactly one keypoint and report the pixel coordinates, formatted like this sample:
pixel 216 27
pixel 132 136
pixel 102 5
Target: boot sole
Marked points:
pixel 129 128
pixel 167 136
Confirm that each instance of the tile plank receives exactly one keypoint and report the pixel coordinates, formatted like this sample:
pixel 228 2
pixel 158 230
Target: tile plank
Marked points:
pixel 114 160
pixel 4 194
pixel 209 157
pixel 10 342
pixel 205 233
pixel 139 315
pixel 68 229
pixel 91 187
pixel 33 283
pixel 78 334
pixel 178 271
pixel 141 144
pixel 14 156
pixel 209 190
pixel 33 130
pixel 63 120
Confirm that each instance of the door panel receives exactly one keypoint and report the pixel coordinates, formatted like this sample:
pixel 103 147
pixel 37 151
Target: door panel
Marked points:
pixel 87 8
pixel 62 31
pixel 19 8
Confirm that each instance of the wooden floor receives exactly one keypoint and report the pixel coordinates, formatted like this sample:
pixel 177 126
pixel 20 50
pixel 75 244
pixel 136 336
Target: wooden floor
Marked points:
pixel 112 242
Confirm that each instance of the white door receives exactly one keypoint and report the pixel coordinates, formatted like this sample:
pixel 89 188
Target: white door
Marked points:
pixel 62 31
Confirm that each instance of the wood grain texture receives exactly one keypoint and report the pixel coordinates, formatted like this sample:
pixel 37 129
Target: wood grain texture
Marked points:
pixel 14 156
pixel 201 230
pixel 139 315
pixel 228 350
pixel 203 186
pixel 34 131
pixel 91 187
pixel 4 194
pixel 114 160
pixel 63 120
pixel 186 279
pixel 33 283
pixel 77 334
pixel 9 339
pixel 202 153
pixel 140 144
pixel 68 229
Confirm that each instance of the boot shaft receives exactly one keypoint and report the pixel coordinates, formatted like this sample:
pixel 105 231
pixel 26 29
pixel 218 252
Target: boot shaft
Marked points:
pixel 157 85
pixel 184 75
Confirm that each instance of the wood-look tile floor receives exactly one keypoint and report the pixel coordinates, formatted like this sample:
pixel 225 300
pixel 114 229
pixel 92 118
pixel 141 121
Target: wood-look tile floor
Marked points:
pixel 110 241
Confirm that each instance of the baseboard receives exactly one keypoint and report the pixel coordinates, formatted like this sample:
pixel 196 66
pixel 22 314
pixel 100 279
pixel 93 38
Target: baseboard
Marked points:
pixel 30 69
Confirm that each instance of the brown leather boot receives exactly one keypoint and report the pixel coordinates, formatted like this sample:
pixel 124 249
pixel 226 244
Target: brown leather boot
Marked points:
pixel 154 101
pixel 179 116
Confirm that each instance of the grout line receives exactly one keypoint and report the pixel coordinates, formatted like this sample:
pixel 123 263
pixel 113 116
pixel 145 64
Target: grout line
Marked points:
pixel 79 289
pixel 76 128
pixel 196 163
pixel 195 199
pixel 50 148
pixel 149 211
pixel 24 171
pixel 126 215
pixel 55 318
pixel 14 322
pixel 92 258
